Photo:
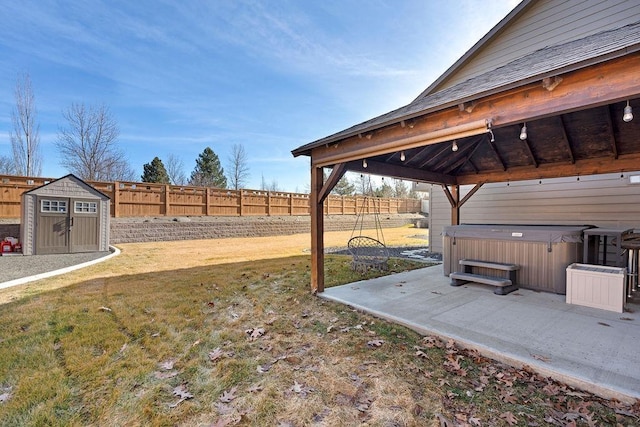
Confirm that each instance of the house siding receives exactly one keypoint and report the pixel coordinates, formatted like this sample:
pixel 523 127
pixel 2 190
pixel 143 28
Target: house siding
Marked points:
pixel 545 23
pixel 599 200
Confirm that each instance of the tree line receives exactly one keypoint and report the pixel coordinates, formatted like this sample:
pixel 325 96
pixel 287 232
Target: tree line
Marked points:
pixel 88 147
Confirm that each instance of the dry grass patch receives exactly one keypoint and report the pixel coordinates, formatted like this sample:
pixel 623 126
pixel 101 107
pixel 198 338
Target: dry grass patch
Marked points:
pixel 246 343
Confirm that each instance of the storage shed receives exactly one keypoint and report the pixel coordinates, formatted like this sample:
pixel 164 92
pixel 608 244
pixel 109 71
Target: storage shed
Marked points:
pixel 64 216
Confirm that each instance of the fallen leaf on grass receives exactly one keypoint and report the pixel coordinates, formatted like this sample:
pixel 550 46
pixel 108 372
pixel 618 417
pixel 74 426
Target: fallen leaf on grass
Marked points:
pixel 509 418
pixel 444 422
pixel 167 365
pixel 215 354
pixel 103 308
pixel 255 388
pixel 254 333
pixel 263 368
pixel 6 394
pixel 301 389
pixel 375 343
pixel 182 392
pixel 228 396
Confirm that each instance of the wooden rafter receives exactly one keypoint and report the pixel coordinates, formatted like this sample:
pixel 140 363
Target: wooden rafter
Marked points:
pixel 565 139
pixel 612 139
pixel 467 159
pixel 446 148
pixel 498 156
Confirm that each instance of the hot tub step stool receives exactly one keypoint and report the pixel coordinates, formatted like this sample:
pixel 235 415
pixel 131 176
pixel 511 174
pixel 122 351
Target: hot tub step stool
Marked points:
pixel 503 285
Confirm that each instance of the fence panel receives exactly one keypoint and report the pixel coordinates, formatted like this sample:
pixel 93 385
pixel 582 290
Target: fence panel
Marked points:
pixel 135 199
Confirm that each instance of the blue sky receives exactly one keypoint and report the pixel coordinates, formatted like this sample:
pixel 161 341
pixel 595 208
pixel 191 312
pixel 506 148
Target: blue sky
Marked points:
pixel 179 76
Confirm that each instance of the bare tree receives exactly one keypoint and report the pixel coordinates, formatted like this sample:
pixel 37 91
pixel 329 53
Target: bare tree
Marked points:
pixel 25 138
pixel 7 166
pixel 175 170
pixel 238 167
pixel 88 146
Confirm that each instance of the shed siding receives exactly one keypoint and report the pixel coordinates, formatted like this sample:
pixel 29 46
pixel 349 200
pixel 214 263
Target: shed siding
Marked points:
pixel 600 200
pixel 546 23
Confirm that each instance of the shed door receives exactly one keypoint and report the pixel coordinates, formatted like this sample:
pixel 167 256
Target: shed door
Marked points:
pixel 85 225
pixel 52 225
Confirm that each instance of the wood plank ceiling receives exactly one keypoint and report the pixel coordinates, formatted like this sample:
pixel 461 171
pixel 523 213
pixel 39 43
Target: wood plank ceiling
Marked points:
pixel 557 142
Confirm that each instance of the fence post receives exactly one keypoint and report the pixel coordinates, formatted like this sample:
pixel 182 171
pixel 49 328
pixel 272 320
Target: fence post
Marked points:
pixel 207 201
pixel 290 195
pixel 268 203
pixel 241 201
pixel 116 199
pixel 167 202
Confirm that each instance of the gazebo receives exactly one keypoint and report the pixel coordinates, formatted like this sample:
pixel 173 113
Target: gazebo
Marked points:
pixel 560 110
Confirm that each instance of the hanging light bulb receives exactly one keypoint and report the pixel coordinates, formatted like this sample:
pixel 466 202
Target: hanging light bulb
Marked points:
pixel 402 157
pixel 454 146
pixel 523 132
pixel 628 113
pixel 364 163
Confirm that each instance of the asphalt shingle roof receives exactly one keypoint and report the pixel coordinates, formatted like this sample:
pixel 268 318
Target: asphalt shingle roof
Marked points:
pixel 544 62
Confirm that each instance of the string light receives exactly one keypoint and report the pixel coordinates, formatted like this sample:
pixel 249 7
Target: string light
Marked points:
pixel 402 157
pixel 523 132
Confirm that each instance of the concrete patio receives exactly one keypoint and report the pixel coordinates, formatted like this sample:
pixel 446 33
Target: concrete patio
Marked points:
pixel 591 349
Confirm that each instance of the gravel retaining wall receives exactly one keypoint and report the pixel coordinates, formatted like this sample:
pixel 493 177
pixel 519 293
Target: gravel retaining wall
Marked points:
pixel 130 230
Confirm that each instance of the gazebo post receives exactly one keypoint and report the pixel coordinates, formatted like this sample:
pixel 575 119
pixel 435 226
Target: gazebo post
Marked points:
pixel 317 230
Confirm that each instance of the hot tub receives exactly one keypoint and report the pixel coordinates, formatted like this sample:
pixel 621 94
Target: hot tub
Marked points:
pixel 543 252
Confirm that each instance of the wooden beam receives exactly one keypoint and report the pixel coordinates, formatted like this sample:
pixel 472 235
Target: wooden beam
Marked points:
pixel 624 163
pixel 400 172
pixel 317 231
pixel 455 208
pixel 596 85
pixel 336 173
pixel 447 193
pixel 470 193
pixel 384 143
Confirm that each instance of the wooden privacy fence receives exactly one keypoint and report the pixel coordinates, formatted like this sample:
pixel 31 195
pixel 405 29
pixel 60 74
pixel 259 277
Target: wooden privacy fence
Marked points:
pixel 135 199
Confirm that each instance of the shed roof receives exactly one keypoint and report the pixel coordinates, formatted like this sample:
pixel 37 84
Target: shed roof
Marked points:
pixel 73 178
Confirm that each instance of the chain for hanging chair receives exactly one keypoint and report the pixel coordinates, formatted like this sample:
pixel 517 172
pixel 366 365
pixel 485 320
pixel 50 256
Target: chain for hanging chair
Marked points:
pixel 368 252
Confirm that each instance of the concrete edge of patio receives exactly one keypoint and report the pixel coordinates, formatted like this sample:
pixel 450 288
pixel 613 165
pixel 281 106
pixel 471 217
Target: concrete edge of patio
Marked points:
pixel 571 378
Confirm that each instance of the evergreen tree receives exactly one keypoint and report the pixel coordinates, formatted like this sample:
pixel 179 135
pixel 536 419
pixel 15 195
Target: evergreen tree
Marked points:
pixel 344 187
pixel 385 190
pixel 400 189
pixel 208 171
pixel 155 172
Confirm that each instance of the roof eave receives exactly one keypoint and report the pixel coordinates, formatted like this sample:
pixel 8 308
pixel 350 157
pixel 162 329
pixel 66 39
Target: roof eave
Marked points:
pixel 307 148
